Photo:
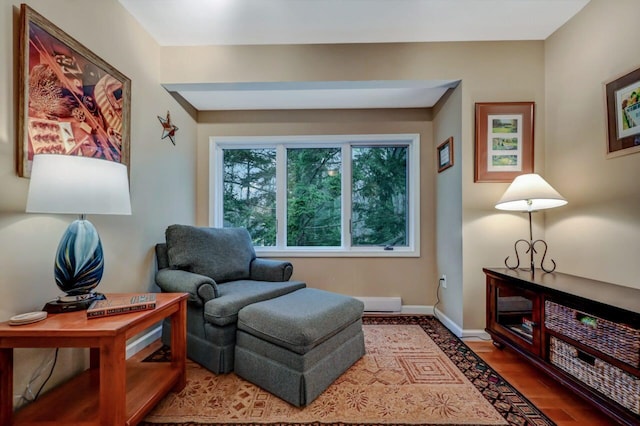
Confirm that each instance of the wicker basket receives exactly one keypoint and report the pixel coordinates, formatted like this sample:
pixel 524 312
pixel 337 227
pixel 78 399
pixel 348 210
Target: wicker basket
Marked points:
pixel 607 379
pixel 616 340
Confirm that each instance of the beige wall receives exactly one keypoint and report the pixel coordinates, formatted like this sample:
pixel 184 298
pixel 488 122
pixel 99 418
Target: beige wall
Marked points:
pixel 488 235
pixel 597 234
pixel 447 122
pixel 490 71
pixel 162 177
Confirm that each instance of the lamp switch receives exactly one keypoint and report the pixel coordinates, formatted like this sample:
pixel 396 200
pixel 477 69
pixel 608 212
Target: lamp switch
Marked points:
pixel 443 281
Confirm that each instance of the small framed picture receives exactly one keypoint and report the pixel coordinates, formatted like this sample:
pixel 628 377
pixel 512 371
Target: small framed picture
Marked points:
pixel 623 114
pixel 445 155
pixel 504 140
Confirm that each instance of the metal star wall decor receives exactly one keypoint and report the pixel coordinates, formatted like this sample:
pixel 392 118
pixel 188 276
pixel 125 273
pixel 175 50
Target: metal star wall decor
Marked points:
pixel 168 129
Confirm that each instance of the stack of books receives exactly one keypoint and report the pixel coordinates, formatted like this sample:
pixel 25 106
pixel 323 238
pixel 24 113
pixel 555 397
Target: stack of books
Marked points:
pixel 121 304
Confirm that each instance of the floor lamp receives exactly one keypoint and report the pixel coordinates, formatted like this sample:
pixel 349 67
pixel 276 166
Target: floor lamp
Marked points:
pixel 67 184
pixel 530 193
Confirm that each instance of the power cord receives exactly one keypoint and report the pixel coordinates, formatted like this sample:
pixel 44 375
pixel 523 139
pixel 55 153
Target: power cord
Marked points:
pixel 55 360
pixel 435 314
pixel 28 395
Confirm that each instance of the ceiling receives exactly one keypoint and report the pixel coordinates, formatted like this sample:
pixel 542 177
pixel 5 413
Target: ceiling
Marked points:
pixel 241 22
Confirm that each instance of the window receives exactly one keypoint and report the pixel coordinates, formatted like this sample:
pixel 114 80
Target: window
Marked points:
pixel 249 198
pixel 313 197
pixel 354 195
pixel 379 196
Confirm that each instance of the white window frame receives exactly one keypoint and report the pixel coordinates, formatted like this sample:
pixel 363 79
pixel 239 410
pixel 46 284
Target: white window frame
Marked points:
pixel 281 143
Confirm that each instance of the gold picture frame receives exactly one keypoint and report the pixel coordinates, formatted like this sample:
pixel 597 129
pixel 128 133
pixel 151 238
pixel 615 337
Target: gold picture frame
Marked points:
pixel 70 101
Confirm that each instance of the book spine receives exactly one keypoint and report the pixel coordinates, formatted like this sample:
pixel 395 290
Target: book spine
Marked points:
pixel 119 310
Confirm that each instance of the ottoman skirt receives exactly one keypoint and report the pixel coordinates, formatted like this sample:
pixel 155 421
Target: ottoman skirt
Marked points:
pixel 298 379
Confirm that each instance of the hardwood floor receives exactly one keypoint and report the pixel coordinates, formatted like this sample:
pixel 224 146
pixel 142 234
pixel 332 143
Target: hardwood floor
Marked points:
pixel 559 403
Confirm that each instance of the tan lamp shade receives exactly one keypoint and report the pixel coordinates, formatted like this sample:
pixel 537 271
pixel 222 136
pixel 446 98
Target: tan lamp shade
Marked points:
pixel 530 192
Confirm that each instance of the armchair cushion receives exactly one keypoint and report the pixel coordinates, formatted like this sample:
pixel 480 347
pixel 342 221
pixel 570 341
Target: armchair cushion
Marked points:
pixel 223 254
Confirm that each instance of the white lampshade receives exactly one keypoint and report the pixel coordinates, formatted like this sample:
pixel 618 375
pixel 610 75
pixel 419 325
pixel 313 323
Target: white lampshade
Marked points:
pixel 530 192
pixel 78 185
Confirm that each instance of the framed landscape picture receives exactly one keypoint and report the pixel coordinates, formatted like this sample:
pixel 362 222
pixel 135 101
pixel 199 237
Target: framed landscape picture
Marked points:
pixel 445 155
pixel 504 141
pixel 70 101
pixel 623 114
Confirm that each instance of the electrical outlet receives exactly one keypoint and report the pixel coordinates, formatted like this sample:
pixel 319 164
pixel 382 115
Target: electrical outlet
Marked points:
pixel 443 281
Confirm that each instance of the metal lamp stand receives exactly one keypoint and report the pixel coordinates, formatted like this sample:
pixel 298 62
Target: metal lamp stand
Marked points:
pixel 531 249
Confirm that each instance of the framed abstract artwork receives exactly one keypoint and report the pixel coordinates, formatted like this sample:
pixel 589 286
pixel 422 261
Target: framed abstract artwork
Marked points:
pixel 70 101
pixel 445 155
pixel 504 141
pixel 622 97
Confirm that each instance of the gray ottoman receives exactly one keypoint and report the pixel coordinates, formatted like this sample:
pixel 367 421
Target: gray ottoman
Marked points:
pixel 296 345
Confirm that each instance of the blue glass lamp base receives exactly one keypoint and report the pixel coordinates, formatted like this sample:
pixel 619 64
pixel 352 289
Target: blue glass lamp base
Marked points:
pixel 79 260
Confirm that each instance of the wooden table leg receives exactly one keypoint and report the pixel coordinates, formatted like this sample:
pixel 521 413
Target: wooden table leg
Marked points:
pixel 113 377
pixel 6 386
pixel 94 357
pixel 179 343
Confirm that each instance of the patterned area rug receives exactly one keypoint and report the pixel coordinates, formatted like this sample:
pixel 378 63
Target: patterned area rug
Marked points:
pixel 415 372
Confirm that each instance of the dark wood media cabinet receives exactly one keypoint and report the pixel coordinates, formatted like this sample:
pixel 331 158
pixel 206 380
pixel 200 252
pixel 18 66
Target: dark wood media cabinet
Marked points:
pixel 583 333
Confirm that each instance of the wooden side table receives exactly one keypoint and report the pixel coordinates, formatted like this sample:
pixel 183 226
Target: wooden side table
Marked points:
pixel 112 391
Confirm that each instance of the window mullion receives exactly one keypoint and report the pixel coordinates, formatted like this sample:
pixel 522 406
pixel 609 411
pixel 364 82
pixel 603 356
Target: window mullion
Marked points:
pixel 346 196
pixel 216 179
pixel 281 196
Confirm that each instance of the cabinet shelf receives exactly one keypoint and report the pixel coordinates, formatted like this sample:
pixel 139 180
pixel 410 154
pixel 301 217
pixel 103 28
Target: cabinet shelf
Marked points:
pixel 521 331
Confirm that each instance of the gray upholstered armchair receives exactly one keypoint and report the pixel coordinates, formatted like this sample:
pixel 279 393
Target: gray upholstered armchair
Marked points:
pixel 219 269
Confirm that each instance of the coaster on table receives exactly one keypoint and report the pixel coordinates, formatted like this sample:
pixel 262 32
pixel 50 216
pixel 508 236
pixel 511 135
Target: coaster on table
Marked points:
pixel 28 318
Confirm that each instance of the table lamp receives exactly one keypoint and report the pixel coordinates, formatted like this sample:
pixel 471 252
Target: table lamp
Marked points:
pixel 530 193
pixel 78 185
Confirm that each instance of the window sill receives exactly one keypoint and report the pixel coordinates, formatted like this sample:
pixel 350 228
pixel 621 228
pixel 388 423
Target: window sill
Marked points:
pixel 337 252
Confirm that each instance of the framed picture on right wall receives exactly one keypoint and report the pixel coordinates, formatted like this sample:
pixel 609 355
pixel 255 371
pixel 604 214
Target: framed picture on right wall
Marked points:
pixel 622 97
pixel 504 140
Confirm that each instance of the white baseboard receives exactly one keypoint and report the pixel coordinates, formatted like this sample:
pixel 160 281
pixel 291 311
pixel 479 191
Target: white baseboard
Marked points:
pixel 470 334
pixel 392 305
pixel 151 335
pixel 381 304
pixel 448 322
pixel 417 309
pixel 475 334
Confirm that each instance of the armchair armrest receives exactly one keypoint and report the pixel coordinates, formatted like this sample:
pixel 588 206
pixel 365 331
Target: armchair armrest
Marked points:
pixel 270 270
pixel 200 288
